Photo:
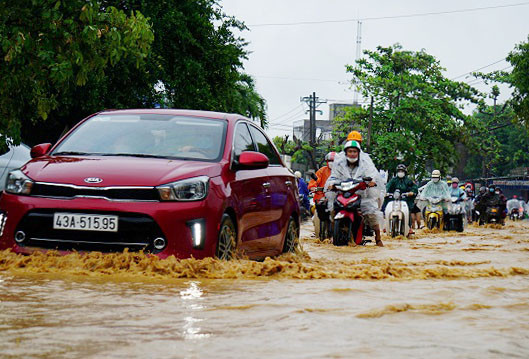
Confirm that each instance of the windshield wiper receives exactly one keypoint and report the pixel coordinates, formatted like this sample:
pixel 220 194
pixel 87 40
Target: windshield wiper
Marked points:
pixel 66 153
pixel 132 155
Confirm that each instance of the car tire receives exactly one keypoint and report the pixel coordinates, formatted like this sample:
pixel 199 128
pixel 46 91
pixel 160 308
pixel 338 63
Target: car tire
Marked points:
pixel 291 242
pixel 227 239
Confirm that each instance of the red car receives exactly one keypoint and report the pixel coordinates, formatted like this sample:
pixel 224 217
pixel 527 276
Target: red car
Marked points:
pixel 171 182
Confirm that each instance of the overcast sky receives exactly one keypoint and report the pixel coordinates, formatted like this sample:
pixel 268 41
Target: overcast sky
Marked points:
pixel 289 62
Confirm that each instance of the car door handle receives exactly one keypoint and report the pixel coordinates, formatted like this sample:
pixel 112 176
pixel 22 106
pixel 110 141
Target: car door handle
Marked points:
pixel 288 183
pixel 266 185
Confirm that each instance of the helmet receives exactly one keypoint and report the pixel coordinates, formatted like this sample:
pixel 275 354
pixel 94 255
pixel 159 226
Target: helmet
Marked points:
pixel 352 144
pixel 330 156
pixel 455 180
pixel 354 136
pixel 436 174
pixel 402 167
pixel 482 189
pixel 297 174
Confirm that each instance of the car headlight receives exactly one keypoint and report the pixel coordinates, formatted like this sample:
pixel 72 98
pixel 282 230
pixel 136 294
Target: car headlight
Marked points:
pixel 191 189
pixel 18 183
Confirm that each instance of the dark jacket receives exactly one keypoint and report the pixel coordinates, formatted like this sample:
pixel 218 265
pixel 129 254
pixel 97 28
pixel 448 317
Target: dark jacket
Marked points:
pixel 404 185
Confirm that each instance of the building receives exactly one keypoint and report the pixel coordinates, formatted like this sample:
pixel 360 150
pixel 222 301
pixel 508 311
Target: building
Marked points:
pixel 338 109
pixel 301 130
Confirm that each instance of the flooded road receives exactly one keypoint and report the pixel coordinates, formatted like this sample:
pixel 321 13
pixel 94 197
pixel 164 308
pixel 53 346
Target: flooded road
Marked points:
pixel 437 295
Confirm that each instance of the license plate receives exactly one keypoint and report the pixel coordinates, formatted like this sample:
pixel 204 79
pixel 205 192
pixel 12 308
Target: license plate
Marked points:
pixel 494 210
pixel 85 222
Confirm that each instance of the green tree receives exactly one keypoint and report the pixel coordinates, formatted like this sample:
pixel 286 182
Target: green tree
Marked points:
pixel 50 49
pixel 499 145
pixel 417 117
pixel 197 58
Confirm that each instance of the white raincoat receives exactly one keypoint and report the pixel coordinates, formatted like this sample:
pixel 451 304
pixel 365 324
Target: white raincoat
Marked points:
pixel 341 171
pixel 435 189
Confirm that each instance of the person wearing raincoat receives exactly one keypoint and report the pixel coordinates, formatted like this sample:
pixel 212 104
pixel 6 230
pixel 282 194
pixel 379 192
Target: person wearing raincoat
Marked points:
pixel 436 188
pixel 356 136
pixel 354 165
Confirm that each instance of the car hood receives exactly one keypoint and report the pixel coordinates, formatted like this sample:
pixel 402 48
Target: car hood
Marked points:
pixel 116 171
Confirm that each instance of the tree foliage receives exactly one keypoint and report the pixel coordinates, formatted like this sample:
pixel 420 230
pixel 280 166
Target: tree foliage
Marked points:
pixel 50 48
pixel 80 56
pixel 417 112
pixel 499 144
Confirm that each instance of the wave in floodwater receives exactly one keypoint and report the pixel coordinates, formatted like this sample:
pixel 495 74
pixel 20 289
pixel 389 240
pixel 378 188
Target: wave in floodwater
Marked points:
pixel 139 266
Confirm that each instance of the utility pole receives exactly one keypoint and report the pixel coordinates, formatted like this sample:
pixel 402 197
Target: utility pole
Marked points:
pixel 313 103
pixel 358 53
pixel 370 125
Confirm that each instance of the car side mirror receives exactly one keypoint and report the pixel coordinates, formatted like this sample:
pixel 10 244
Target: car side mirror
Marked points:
pixel 40 150
pixel 250 160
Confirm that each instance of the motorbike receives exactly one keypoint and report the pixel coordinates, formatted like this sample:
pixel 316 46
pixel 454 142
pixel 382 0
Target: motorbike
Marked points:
pixel 433 214
pixel 348 221
pixel 397 215
pixel 455 217
pixel 492 215
pixel 515 209
pixel 324 216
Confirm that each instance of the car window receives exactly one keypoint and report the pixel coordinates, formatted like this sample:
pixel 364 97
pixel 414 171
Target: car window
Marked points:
pixel 264 146
pixel 158 135
pixel 243 140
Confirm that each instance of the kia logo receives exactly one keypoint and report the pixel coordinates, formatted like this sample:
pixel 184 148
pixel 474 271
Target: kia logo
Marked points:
pixel 93 180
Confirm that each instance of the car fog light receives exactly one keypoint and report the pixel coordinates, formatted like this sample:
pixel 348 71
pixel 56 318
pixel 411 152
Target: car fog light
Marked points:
pixel 159 243
pixel 198 232
pixel 20 237
pixel 3 220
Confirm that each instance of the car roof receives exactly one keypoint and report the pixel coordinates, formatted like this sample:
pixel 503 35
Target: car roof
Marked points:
pixel 178 112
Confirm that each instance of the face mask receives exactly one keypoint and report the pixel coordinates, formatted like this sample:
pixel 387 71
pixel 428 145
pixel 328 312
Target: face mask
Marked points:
pixel 329 164
pixel 491 190
pixel 435 179
pixel 400 174
pixel 454 185
pixel 497 192
pixel 352 160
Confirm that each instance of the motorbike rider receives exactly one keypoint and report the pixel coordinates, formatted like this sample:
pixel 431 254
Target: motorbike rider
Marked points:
pixel 456 191
pixel 303 191
pixel 356 136
pixel 503 206
pixel 489 199
pixel 355 164
pixel 436 188
pixel 322 175
pixel 407 187
pixel 469 205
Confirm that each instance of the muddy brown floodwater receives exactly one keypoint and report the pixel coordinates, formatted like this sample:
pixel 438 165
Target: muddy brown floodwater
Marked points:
pixel 439 295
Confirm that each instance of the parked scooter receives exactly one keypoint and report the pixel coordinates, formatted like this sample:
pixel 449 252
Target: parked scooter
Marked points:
pixel 455 217
pixel 433 214
pixel 348 221
pixel 397 215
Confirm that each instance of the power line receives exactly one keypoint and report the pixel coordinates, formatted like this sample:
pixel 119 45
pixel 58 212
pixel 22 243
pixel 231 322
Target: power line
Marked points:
pixel 286 113
pixel 295 78
pixel 481 68
pixel 389 17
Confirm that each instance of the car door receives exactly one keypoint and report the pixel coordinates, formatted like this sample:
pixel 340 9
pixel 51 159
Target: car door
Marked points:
pixel 281 195
pixel 250 193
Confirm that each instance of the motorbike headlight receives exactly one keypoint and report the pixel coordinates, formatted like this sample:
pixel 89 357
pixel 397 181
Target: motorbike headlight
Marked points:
pixel 18 183
pixel 191 189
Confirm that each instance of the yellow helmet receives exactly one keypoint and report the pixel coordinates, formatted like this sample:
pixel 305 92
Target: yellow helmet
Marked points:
pixel 354 136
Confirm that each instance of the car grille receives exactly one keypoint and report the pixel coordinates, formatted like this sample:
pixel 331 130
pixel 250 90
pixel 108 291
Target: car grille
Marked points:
pixel 111 193
pixel 135 232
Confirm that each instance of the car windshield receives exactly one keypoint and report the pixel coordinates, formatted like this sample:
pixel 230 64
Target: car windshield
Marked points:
pixel 147 135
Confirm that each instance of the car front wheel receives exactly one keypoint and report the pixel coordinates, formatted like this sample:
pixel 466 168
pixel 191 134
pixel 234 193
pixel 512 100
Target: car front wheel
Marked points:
pixel 227 239
pixel 291 237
